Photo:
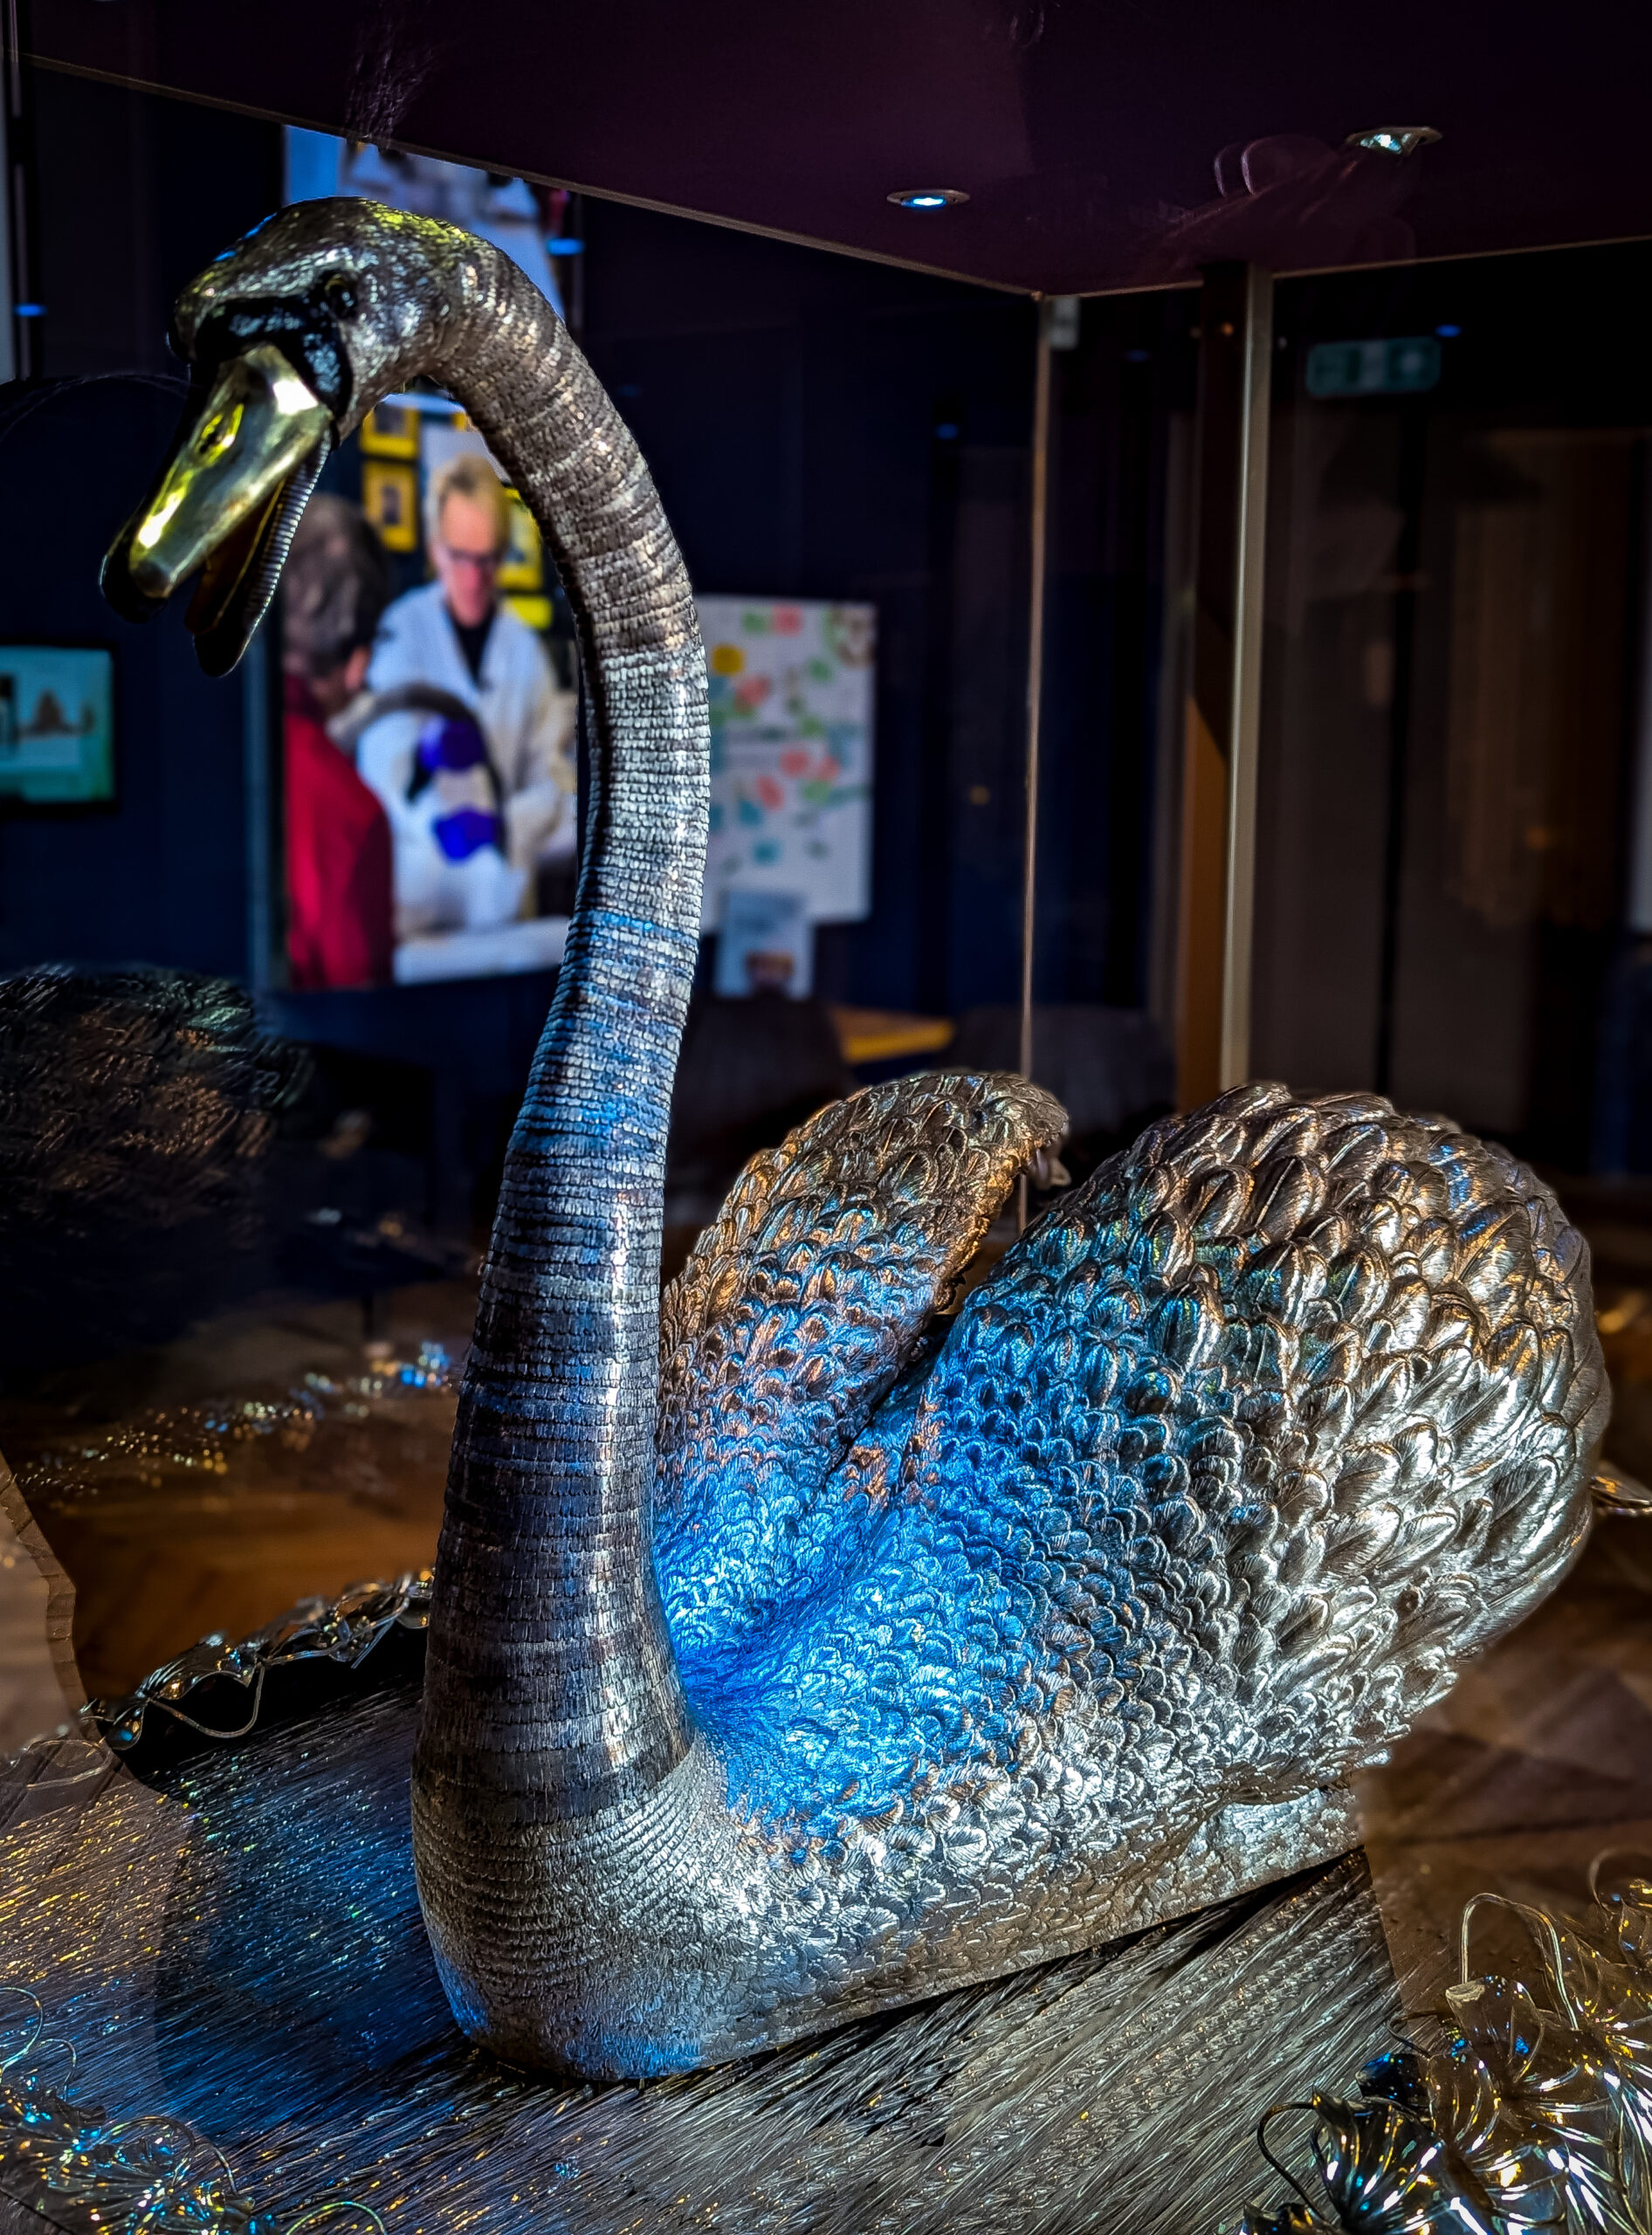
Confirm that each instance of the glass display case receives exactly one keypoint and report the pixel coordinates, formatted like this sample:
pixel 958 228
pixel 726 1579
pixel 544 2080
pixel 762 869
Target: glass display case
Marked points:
pixel 681 1031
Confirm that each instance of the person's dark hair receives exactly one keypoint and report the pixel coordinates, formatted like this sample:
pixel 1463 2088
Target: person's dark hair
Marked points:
pixel 335 588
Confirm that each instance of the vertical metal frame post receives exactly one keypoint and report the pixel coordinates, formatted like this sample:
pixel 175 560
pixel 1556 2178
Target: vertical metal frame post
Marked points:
pixel 17 343
pixel 1219 789
pixel 1034 681
pixel 1245 724
pixel 1040 531
pixel 8 343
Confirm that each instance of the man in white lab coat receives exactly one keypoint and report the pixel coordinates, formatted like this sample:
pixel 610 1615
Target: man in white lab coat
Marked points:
pixel 455 634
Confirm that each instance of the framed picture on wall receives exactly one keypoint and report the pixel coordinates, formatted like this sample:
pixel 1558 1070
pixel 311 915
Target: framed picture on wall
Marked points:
pixel 57 726
pixel 390 500
pixel 391 431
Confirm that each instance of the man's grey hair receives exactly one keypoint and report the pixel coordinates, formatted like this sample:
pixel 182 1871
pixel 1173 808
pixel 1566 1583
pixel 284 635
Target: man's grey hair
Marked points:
pixel 467 474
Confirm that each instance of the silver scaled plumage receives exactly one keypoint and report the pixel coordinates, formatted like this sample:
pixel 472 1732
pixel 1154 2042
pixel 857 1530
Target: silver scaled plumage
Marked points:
pixel 807 1646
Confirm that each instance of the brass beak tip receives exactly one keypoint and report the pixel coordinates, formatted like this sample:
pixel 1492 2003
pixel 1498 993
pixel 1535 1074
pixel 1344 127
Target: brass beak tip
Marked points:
pixel 242 465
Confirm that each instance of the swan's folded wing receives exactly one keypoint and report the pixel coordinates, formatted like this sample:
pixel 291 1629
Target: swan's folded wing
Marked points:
pixel 1276 1419
pixel 1217 1479
pixel 799 1308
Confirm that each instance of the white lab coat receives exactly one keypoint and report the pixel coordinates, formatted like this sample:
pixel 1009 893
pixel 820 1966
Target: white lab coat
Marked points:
pixel 527 721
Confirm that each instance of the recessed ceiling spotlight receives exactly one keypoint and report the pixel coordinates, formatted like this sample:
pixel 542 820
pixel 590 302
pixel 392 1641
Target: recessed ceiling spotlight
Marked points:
pixel 1395 138
pixel 927 197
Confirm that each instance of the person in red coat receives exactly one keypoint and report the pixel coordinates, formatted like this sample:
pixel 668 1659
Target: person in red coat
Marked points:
pixel 339 879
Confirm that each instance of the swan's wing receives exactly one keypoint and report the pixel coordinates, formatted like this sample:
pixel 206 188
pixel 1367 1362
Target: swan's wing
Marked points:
pixel 1217 1480
pixel 797 1311
pixel 1294 1405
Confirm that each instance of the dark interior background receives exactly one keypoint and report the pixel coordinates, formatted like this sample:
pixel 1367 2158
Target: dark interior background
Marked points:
pixel 1453 616
pixel 1453 700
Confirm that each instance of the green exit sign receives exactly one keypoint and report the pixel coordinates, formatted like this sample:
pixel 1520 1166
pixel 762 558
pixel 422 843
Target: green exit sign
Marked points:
pixel 1406 367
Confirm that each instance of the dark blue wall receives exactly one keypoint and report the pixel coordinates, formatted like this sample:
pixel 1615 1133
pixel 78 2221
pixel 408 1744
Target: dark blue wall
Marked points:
pixel 132 195
pixel 1115 398
pixel 162 876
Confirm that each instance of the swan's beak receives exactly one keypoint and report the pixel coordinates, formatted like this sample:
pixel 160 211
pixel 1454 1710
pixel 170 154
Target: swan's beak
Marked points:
pixel 241 470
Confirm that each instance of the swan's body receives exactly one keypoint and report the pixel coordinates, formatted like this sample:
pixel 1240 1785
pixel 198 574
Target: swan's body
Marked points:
pixel 935 1661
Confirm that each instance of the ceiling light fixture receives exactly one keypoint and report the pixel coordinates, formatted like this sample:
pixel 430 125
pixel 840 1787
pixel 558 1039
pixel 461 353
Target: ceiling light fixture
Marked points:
pixel 1395 138
pixel 927 197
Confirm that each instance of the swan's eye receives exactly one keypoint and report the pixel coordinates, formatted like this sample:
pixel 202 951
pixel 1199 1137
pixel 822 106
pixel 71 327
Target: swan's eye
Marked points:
pixel 219 432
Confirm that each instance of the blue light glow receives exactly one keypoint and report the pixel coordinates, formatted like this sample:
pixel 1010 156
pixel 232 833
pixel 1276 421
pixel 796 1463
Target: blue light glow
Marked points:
pixel 927 197
pixel 1447 332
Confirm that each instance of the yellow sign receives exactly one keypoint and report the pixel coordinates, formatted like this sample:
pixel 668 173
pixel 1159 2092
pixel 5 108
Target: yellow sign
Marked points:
pixel 536 611
pixel 523 565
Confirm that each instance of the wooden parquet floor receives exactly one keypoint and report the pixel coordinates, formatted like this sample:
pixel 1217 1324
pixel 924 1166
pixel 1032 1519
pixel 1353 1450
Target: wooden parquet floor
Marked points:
pixel 210 1485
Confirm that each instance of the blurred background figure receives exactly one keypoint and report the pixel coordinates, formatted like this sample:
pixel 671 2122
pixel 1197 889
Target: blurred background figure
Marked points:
pixel 493 796
pixel 339 861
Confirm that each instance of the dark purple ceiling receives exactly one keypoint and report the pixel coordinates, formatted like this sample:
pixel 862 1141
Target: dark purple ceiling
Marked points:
pixel 1090 135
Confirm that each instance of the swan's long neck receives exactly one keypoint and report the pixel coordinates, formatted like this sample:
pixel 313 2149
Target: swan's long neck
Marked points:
pixel 550 1690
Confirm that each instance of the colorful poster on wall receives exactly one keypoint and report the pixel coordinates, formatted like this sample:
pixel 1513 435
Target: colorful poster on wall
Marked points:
pixel 791 692
pixel 56 725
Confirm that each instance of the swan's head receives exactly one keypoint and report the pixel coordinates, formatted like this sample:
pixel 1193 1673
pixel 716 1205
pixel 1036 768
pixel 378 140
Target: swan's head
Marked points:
pixel 291 338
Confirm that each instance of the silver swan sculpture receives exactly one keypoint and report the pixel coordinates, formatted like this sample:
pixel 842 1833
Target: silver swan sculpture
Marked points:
pixel 801 1650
